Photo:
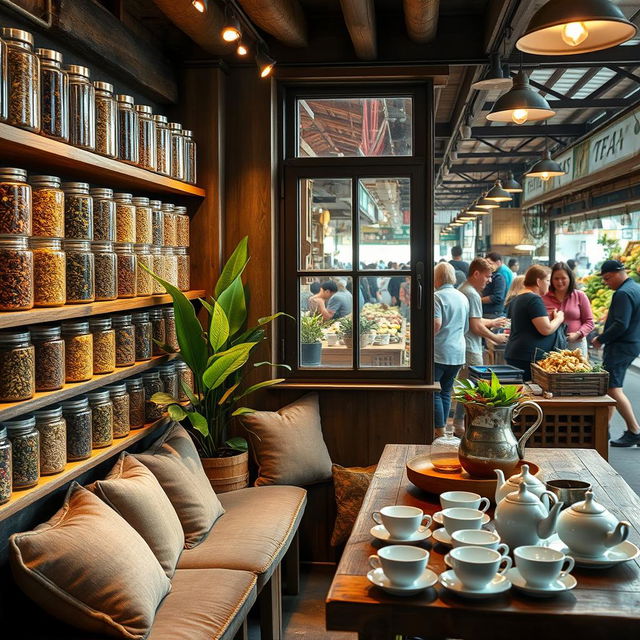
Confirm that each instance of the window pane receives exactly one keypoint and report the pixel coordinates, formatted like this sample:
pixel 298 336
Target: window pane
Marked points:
pixel 325 224
pixel 354 127
pixel 384 206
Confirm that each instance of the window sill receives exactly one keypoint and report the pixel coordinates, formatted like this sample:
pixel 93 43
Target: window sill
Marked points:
pixel 356 386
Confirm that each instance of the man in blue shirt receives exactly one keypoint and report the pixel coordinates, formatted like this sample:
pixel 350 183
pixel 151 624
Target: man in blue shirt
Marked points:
pixel 621 340
pixel 494 294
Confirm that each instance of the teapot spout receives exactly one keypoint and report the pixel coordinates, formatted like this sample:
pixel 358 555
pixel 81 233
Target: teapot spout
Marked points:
pixel 499 484
pixel 547 527
pixel 618 535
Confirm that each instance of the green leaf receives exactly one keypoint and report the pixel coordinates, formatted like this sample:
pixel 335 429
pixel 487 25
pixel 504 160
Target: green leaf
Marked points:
pixel 259 385
pixel 163 398
pixel 165 347
pixel 233 303
pixel 176 412
pixel 237 444
pixel 272 364
pixel 267 319
pixel 199 422
pixel 251 335
pixel 227 393
pixel 219 327
pixel 243 411
pixel 189 393
pixel 207 306
pixel 225 364
pixel 234 266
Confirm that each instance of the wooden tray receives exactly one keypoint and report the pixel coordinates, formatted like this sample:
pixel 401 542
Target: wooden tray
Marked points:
pixel 420 471
pixel 571 384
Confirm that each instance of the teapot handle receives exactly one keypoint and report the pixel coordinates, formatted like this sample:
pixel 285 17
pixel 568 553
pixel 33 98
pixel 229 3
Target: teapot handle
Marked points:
pixel 527 434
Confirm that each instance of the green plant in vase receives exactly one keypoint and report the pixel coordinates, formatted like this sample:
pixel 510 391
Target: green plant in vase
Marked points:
pixel 493 394
pixel 367 328
pixel 311 334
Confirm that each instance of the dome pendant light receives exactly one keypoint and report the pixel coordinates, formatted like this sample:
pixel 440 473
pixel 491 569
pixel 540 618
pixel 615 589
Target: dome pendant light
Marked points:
pixel 483 203
pixel 498 194
pixel 545 169
pixel 494 78
pixel 568 27
pixel 475 210
pixel 511 185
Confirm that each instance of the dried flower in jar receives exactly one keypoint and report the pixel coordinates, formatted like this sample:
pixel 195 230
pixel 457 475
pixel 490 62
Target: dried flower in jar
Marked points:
pixel 126 270
pixel 80 271
pixel 78 211
pixel 17 366
pixel 78 351
pixel 106 266
pixel 120 401
pixel 53 440
pixel 78 417
pixel 15 202
pixel 25 447
pixel 6 470
pixel 101 418
pixel 104 345
pixel 16 274
pixel 136 402
pixel 49 357
pixel 125 340
pixel 49 272
pixel 47 205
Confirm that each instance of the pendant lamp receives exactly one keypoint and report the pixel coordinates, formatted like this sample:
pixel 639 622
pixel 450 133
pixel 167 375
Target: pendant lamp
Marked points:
pixel 511 185
pixel 498 194
pixel 625 220
pixel 545 169
pixel 597 223
pixel 475 210
pixel 494 78
pixel 568 27
pixel 483 203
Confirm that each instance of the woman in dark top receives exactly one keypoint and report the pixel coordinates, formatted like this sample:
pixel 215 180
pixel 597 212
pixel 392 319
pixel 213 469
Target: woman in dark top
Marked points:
pixel 531 326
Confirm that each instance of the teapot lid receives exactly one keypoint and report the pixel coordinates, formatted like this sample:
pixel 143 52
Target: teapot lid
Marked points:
pixel 588 505
pixel 523 495
pixel 525 476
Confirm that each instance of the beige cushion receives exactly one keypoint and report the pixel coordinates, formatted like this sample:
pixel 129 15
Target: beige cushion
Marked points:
pixel 287 445
pixel 174 461
pixel 89 568
pixel 133 491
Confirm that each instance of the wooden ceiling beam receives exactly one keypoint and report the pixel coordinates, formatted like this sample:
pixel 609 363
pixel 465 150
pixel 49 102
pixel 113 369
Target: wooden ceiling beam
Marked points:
pixel 283 19
pixel 421 19
pixel 360 18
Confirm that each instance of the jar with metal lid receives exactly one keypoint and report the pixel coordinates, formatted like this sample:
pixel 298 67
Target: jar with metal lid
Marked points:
pixel 104 345
pixel 82 108
pixel 15 202
pixel 169 377
pixel 54 95
pixel 152 385
pixel 127 129
pixel 106 120
pixel 182 227
pixel 157 223
pixel 177 151
pixel 147 142
pixel 185 379
pixel 49 357
pixel 170 336
pixel 120 401
pixel 170 231
pixel 6 467
pixel 156 317
pixel 106 271
pixel 143 218
pixel 126 269
pixel 78 211
pixel 144 280
pixel 4 107
pixel 25 450
pixel 125 340
pixel 80 267
pixel 17 366
pixel 77 415
pixel 143 335
pixel 189 156
pixel 158 268
pixel 52 428
pixel 49 272
pixel 163 145
pixel 125 217
pixel 23 73
pixel 78 351
pixel 170 261
pixel 16 274
pixel 183 265
pixel 135 390
pixel 101 418
pixel 47 206
pixel 104 214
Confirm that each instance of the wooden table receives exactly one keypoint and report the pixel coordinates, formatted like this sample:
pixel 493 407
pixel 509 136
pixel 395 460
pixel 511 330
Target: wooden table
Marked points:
pixel 376 355
pixel 605 604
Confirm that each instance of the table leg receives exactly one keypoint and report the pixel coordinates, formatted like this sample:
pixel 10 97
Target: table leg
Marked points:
pixel 601 435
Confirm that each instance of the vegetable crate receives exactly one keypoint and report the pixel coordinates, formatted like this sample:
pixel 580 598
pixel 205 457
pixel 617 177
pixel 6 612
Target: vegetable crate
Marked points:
pixel 571 384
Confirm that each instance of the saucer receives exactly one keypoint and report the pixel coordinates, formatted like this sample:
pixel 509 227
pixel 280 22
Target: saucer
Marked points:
pixel 617 554
pixel 562 584
pixel 441 536
pixel 380 533
pixel 437 517
pixel 426 580
pixel 449 580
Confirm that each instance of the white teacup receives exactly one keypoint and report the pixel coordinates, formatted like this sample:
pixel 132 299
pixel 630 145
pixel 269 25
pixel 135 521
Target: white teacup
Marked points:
pixel 466 499
pixel 401 521
pixel 479 538
pixel 541 566
pixel 402 564
pixel 476 567
pixel 461 518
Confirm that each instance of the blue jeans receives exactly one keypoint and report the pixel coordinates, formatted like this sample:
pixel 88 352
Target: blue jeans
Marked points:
pixel 445 375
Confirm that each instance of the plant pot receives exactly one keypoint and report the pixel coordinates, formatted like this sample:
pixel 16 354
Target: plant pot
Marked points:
pixel 229 473
pixel 310 354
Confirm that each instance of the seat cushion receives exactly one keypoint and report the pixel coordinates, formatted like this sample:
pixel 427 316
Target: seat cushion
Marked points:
pixel 205 604
pixel 253 534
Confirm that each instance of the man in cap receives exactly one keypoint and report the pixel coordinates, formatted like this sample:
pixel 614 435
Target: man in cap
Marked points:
pixel 621 341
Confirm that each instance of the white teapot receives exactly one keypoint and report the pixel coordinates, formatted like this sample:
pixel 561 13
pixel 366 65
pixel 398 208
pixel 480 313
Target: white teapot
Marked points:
pixel 503 489
pixel 588 529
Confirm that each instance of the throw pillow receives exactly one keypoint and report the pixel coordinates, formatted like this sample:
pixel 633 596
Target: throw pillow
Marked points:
pixel 133 491
pixel 89 568
pixel 350 484
pixel 174 461
pixel 287 445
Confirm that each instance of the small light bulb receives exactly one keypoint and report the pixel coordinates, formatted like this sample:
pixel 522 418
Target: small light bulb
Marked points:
pixel 519 116
pixel 230 34
pixel 242 50
pixel 265 71
pixel 545 176
pixel 574 33
pixel 199 5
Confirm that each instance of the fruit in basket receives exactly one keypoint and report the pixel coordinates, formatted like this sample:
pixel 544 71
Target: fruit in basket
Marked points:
pixel 566 361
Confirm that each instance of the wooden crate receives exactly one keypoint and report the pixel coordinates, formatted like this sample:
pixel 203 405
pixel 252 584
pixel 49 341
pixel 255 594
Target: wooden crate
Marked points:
pixel 571 384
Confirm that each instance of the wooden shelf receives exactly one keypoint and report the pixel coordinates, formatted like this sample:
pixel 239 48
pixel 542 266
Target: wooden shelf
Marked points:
pixel 55 314
pixel 19 148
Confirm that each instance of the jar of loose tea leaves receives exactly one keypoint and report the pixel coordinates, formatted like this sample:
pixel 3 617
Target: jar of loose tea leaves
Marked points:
pixel 120 401
pixel 125 340
pixel 185 378
pixel 54 95
pixel 47 206
pixel 143 335
pixel 152 384
pixel 158 268
pixel 25 451
pixel 127 129
pixel 106 268
pixel 144 232
pixel 182 259
pixel 163 145
pixel 78 351
pixel 23 73
pixel 101 418
pixel 16 274
pixel 135 390
pixel 17 366
pixel 144 280
pixel 82 108
pixel 4 109
pixel 126 269
pixel 182 227
pixel 104 345
pixel 106 120
pixel 170 336
pixel 49 357
pixel 156 317
pixel 125 218
pixel 177 151
pixel 147 142
pixel 6 467
pixel 52 428
pixel 157 223
pixel 49 272
pixel 170 264
pixel 80 271
pixel 189 156
pixel 78 211
pixel 77 415
pixel 104 214
pixel 15 202
pixel 169 377
pixel 170 230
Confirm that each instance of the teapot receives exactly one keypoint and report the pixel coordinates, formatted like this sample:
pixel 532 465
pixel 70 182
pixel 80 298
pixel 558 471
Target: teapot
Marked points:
pixel 588 529
pixel 503 489
pixel 522 519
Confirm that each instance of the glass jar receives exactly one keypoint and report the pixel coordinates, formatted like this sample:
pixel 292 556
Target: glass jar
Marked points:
pixel 144 280
pixel 52 428
pixel 54 95
pixel 82 108
pixel 156 317
pixel 104 345
pixel 163 145
pixel 152 384
pixel 47 206
pixel 106 271
pixel 15 202
pixel 125 218
pixel 444 452
pixel 182 260
pixel 158 268
pixel 147 157
pixel 4 106
pixel 170 231
pixel 106 120
pixel 127 129
pixel 16 274
pixel 157 223
pixel 182 227
pixel 23 73
pixel 101 418
pixel 49 272
pixel 80 267
pixel 77 415
pixel 189 156
pixel 125 340
pixel 25 451
pixel 49 357
pixel 104 214
pixel 120 401
pixel 126 269
pixel 143 335
pixel 17 366
pixel 169 377
pixel 170 264
pixel 78 351
pixel 177 151
pixel 136 402
pixel 185 379
pixel 78 211
pixel 6 467
pixel 143 220
pixel 170 336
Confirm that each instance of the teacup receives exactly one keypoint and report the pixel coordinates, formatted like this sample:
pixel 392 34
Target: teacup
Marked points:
pixel 466 499
pixel 400 521
pixel 458 518
pixel 479 538
pixel 476 567
pixel 541 566
pixel 402 564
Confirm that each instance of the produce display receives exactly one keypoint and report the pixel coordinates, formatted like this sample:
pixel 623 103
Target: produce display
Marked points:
pixel 599 295
pixel 567 361
pixel 387 319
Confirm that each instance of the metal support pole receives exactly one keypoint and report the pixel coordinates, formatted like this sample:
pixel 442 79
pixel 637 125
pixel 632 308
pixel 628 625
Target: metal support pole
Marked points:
pixel 552 242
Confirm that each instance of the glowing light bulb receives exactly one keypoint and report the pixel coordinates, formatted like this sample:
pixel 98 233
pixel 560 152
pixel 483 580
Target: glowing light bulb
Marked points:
pixel 545 176
pixel 574 33
pixel 519 116
pixel 242 50
pixel 265 71
pixel 230 34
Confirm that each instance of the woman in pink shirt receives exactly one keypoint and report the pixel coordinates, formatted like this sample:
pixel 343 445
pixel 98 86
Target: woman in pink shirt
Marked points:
pixel 563 295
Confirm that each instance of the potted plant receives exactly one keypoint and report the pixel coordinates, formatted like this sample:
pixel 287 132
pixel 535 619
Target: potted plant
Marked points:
pixel 367 331
pixel 311 340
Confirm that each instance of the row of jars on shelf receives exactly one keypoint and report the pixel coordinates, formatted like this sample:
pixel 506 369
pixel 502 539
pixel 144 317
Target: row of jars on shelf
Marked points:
pixel 46 357
pixel 42 444
pixel 39 94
